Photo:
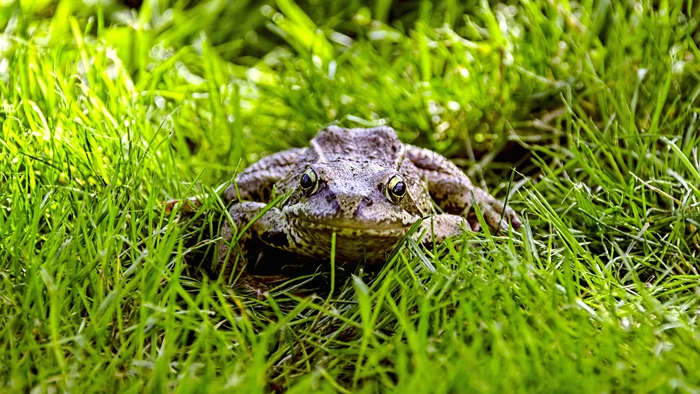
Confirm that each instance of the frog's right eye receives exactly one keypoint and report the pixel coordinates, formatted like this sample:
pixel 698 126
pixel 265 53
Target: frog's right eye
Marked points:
pixel 309 181
pixel 395 189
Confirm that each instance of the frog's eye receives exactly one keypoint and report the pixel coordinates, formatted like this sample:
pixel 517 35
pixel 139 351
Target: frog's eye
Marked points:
pixel 395 189
pixel 309 181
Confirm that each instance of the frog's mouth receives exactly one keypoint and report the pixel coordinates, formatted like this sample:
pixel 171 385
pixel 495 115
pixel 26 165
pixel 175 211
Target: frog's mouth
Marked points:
pixel 345 228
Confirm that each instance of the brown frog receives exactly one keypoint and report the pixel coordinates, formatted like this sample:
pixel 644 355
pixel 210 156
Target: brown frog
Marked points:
pixel 365 186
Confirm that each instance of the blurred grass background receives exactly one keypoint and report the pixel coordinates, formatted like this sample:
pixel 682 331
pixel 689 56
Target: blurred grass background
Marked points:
pixel 111 108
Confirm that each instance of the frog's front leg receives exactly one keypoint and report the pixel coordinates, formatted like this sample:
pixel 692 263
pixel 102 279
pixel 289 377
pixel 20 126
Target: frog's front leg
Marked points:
pixel 268 229
pixel 454 193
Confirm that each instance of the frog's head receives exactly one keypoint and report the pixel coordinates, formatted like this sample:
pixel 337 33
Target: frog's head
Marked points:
pixel 358 183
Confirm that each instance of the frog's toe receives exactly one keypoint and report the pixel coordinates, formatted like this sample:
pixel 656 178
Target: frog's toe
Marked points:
pixel 473 222
pixel 498 215
pixel 514 220
pixel 492 215
pixel 509 216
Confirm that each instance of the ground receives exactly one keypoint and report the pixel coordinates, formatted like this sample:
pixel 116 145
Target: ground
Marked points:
pixel 584 115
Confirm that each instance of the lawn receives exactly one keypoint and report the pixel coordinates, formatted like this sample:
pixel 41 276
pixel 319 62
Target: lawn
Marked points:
pixel 583 114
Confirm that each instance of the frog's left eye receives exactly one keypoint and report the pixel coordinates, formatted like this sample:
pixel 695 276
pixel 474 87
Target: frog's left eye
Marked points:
pixel 309 181
pixel 395 189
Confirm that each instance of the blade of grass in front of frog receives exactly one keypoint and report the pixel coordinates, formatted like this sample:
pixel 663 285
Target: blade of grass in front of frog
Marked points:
pixel 240 232
pixel 332 262
pixel 421 255
pixel 405 240
pixel 507 197
pixel 482 221
pixel 414 227
pixel 291 284
pixel 267 207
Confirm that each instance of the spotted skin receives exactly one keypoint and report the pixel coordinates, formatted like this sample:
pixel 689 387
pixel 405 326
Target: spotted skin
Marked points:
pixel 351 169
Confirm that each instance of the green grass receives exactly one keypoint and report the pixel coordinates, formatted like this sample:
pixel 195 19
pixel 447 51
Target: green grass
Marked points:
pixel 107 113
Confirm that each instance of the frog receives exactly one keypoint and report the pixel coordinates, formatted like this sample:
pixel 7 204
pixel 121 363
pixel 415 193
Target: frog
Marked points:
pixel 353 192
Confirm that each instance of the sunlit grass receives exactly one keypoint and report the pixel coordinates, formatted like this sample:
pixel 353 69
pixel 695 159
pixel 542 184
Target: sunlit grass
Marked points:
pixel 108 113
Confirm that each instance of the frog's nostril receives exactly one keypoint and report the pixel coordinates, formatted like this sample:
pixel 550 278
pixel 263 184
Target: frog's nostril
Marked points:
pixel 330 197
pixel 368 201
pixel 349 203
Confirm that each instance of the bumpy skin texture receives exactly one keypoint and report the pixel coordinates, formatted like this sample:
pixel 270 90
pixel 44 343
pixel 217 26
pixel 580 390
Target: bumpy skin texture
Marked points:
pixel 353 168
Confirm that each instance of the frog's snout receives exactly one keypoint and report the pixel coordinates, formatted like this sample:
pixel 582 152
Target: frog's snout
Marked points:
pixel 352 204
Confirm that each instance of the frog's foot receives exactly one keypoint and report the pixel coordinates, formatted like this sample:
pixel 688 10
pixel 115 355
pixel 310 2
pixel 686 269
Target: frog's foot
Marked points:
pixel 234 252
pixel 438 227
pixel 496 214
